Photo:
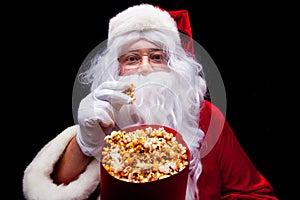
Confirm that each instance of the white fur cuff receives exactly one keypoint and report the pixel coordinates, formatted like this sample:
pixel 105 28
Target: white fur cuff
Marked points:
pixel 37 183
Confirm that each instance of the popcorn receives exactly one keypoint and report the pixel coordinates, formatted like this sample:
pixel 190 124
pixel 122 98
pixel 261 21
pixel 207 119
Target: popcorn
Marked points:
pixel 143 155
pixel 130 92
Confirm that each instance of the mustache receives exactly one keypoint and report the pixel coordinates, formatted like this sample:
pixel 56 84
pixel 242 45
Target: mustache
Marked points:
pixel 163 78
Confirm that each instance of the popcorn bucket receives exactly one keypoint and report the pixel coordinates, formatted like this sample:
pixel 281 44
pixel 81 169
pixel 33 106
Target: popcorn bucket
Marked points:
pixel 172 187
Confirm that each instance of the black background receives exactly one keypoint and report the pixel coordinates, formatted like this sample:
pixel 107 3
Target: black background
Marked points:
pixel 47 42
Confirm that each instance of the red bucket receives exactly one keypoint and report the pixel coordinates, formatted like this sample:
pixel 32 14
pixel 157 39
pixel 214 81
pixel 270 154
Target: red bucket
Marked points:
pixel 172 187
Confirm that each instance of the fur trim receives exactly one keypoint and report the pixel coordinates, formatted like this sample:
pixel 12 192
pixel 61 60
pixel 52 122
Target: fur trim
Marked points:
pixel 37 183
pixel 140 18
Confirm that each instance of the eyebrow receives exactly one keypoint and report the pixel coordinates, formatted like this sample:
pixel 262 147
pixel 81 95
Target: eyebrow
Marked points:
pixel 149 49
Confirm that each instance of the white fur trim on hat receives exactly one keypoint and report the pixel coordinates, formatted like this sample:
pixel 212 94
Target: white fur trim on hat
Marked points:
pixel 141 18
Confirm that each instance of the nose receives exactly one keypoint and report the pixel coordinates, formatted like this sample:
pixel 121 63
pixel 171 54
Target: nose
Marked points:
pixel 145 66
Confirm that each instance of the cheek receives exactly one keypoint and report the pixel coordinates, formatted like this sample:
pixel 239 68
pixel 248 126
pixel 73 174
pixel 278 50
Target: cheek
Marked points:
pixel 125 72
pixel 159 68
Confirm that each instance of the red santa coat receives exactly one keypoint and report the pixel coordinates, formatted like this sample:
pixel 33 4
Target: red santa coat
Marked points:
pixel 227 171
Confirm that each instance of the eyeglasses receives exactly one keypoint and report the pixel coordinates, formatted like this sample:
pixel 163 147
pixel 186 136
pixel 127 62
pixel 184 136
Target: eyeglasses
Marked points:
pixel 157 58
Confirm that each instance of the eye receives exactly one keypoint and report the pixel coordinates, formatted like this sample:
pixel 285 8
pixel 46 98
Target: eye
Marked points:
pixel 158 57
pixel 129 59
pixel 132 58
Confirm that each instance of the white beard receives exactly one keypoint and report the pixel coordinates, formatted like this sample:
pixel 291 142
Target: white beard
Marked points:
pixel 166 98
pixel 163 98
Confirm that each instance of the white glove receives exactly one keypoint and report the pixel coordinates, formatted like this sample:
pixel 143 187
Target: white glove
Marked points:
pixel 96 115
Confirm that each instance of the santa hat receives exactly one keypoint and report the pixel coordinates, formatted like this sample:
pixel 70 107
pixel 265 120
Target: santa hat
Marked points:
pixel 141 18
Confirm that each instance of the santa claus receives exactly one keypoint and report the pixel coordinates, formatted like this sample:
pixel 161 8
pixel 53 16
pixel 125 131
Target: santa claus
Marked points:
pixel 151 49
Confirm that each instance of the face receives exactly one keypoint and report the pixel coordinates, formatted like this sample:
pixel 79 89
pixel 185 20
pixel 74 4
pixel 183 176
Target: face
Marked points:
pixel 142 57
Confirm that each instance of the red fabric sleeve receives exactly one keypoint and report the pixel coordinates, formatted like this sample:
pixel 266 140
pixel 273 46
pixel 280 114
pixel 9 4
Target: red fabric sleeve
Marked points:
pixel 228 173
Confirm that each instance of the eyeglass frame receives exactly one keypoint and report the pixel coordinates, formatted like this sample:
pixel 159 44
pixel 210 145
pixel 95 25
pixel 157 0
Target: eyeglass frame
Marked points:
pixel 138 58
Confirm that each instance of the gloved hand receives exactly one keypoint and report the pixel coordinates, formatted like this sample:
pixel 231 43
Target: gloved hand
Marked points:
pixel 96 115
